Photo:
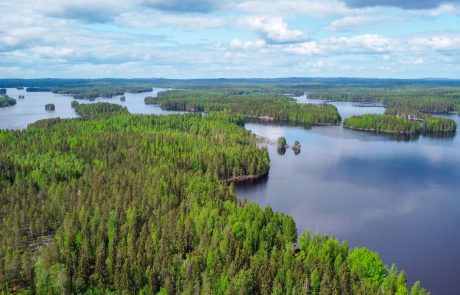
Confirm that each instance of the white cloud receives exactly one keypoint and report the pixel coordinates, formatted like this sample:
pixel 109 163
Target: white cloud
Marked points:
pixel 445 8
pixel 313 8
pixel 348 22
pixel 257 44
pixel 439 42
pixel 363 44
pixel 273 29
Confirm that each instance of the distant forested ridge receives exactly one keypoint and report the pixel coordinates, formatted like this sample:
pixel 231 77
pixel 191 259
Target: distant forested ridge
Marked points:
pixel 6 101
pixel 404 97
pixel 254 105
pixel 135 204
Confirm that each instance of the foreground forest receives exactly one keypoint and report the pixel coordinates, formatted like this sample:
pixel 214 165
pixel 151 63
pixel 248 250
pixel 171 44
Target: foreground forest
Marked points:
pixel 135 204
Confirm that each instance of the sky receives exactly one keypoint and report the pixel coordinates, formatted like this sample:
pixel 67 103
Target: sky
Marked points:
pixel 229 38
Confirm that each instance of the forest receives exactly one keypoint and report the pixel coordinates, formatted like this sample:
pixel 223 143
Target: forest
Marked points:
pixel 137 204
pixel 392 124
pixel 382 123
pixel 89 110
pixel 6 101
pixel 406 101
pixel 404 97
pixel 93 91
pixel 439 124
pixel 253 105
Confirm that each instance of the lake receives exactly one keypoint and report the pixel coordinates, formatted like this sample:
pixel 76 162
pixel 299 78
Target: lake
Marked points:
pixel 32 107
pixel 397 196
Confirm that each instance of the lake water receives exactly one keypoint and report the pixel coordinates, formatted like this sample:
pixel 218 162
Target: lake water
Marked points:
pixel 32 107
pixel 399 197
pixel 396 196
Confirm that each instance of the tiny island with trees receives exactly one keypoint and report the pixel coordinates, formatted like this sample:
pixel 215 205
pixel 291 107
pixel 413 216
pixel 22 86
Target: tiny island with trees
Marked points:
pixel 50 107
pixel 6 101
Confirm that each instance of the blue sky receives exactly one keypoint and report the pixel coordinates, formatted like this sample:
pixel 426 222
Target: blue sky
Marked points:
pixel 225 38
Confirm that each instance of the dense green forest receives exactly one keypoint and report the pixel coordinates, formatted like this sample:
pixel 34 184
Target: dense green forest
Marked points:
pixel 392 124
pixel 261 106
pixel 439 124
pixel 6 101
pixel 135 204
pixel 88 110
pixel 408 101
pixel 382 123
pixel 92 92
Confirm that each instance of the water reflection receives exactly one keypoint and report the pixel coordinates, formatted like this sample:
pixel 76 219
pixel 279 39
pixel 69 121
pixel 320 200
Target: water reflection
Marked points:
pixel 398 196
pixel 32 107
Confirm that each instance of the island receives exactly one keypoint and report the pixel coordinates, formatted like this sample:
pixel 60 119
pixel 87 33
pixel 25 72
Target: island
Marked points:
pixel 122 98
pixel 2 91
pixel 296 147
pixel 74 104
pixel 383 123
pixel 150 100
pixel 50 107
pixel 439 125
pixel 258 106
pixel 99 109
pixel 6 101
pixel 21 96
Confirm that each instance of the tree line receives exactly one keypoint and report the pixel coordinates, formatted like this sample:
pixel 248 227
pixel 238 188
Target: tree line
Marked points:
pixel 399 125
pixel 251 105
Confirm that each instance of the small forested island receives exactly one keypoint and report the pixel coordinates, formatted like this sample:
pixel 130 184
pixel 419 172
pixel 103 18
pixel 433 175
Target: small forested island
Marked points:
pixel 3 91
pixel 252 105
pixel 281 142
pixel 50 107
pixel 122 98
pixel 89 110
pixel 6 101
pixel 74 104
pixel 391 124
pixel 137 204
pixel 150 100
pixel 439 125
pixel 382 123
pixel 296 147
pixel 21 96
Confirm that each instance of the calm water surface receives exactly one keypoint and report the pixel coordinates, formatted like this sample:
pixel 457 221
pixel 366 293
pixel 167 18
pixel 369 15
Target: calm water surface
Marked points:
pixel 32 107
pixel 398 197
